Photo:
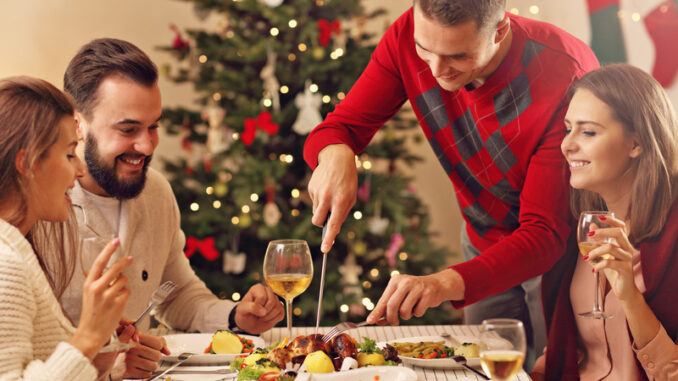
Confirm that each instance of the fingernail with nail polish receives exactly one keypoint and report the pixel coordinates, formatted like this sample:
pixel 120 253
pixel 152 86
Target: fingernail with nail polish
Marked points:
pixel 591 233
pixel 602 218
pixel 586 257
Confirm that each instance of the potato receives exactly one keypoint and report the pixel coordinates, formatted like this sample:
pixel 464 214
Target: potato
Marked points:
pixel 365 359
pixel 318 362
pixel 253 358
pixel 225 342
pixel 467 350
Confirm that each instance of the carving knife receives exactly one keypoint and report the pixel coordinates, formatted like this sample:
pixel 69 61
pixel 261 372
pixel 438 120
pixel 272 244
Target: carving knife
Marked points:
pixel 322 278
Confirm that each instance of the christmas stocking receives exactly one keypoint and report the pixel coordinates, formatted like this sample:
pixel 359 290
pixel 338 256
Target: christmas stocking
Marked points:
pixel 607 40
pixel 662 26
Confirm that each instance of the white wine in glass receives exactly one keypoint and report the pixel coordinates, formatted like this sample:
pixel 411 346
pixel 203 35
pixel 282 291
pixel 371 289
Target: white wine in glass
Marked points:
pixel 588 222
pixel 502 348
pixel 288 270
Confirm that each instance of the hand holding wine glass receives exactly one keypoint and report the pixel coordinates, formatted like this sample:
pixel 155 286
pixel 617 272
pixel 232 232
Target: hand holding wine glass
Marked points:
pixel 588 223
pixel 104 298
pixel 616 258
pixel 288 270
pixel 502 348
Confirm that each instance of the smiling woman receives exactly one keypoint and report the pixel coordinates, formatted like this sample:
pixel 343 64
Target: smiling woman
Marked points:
pixel 38 166
pixel 622 150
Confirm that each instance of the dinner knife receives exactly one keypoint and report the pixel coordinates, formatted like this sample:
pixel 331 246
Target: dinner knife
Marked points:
pixel 322 277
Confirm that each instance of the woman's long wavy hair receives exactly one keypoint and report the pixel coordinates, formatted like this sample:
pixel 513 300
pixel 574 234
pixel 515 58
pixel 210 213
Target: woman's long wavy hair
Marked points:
pixel 30 112
pixel 641 105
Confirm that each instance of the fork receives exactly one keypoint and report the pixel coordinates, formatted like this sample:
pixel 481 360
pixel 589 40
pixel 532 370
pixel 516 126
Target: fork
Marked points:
pixel 344 326
pixel 158 296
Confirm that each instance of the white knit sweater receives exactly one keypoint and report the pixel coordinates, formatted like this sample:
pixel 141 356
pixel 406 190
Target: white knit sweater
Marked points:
pixel 33 329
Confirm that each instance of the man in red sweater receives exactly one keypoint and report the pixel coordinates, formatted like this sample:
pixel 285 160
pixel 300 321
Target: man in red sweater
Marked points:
pixel 489 90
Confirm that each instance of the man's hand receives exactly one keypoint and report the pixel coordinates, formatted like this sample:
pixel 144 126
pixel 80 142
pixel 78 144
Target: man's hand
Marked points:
pixel 333 187
pixel 259 310
pixel 408 295
pixel 143 359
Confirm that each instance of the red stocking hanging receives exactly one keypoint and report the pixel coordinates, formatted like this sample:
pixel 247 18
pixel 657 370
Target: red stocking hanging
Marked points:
pixel 662 26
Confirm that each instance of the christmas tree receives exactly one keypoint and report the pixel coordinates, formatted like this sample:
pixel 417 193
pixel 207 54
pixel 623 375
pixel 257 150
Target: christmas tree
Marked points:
pixel 266 75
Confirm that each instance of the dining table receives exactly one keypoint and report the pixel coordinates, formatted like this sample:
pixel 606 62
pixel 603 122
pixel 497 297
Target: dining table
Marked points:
pixel 380 334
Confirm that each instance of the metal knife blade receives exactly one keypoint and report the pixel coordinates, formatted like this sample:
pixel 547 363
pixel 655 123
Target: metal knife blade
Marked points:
pixel 322 279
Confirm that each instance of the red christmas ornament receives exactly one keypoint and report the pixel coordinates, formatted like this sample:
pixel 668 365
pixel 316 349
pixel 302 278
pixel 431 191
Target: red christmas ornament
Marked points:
pixel 326 28
pixel 205 247
pixel 264 122
pixel 179 43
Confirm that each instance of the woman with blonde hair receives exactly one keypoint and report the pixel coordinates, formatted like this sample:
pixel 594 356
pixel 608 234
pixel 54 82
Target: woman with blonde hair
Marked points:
pixel 38 166
pixel 622 150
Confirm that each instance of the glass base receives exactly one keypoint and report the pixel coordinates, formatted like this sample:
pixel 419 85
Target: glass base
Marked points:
pixel 596 315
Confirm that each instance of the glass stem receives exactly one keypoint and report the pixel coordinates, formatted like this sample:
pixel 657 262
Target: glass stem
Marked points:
pixel 596 296
pixel 288 304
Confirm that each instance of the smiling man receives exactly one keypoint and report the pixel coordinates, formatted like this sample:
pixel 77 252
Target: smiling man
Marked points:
pixel 118 107
pixel 488 89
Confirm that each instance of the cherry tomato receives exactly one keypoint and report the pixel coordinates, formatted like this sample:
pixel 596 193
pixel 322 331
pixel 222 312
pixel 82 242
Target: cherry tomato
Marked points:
pixel 270 376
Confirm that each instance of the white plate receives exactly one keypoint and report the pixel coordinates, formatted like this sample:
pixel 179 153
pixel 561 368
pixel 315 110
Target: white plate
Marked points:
pixel 447 363
pixel 196 343
pixel 390 373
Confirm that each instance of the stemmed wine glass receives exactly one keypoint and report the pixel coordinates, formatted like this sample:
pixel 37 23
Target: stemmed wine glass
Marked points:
pixel 589 221
pixel 502 348
pixel 97 245
pixel 288 270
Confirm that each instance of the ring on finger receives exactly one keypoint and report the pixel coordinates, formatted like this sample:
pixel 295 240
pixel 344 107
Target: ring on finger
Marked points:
pixel 112 282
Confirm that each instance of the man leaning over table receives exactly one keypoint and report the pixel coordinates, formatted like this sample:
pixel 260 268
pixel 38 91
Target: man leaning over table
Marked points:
pixel 488 89
pixel 118 107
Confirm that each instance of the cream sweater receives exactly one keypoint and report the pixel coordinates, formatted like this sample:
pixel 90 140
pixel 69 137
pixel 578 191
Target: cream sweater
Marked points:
pixel 33 329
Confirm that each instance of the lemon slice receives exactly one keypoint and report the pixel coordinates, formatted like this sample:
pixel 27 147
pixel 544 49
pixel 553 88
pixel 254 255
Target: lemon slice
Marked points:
pixel 224 342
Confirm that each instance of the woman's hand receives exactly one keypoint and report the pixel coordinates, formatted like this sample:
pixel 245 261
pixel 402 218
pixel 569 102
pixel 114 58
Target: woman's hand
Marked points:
pixel 104 362
pixel 104 296
pixel 615 258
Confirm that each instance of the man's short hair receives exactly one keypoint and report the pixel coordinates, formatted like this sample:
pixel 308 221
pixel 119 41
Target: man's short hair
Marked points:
pixel 99 59
pixel 454 12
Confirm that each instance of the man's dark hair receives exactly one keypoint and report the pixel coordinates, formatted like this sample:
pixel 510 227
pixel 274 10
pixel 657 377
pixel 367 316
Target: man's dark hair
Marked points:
pixel 454 12
pixel 99 59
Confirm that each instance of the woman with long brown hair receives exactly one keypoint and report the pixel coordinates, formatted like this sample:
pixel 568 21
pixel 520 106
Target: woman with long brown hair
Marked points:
pixel 622 150
pixel 38 166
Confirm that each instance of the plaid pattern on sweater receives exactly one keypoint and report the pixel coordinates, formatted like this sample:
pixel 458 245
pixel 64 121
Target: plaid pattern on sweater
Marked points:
pixel 499 144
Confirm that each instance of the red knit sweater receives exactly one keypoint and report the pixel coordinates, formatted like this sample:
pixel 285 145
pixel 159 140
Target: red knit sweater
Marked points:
pixel 499 144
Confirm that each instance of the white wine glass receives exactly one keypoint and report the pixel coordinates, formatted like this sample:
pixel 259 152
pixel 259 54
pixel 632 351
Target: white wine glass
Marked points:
pixel 588 222
pixel 96 245
pixel 502 348
pixel 288 270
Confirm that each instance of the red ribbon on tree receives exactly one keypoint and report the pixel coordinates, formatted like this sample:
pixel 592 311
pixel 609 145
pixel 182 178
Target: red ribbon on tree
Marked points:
pixel 326 28
pixel 264 122
pixel 205 247
pixel 179 43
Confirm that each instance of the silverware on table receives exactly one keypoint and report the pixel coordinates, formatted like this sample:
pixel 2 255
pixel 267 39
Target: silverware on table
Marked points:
pixel 322 278
pixel 461 360
pixel 202 371
pixel 182 357
pixel 344 326
pixel 158 296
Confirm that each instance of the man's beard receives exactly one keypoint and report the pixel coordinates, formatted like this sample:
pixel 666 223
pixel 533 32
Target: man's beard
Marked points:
pixel 106 177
